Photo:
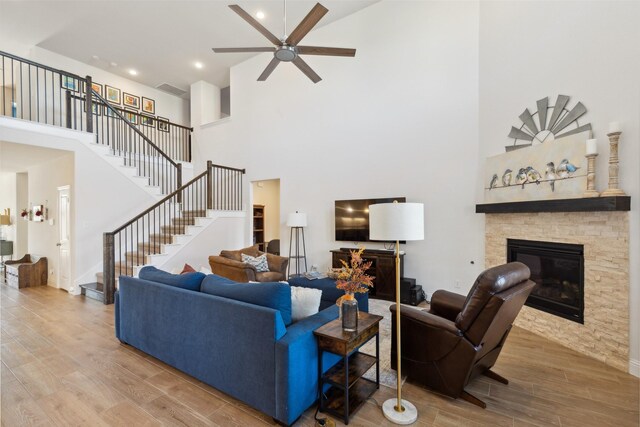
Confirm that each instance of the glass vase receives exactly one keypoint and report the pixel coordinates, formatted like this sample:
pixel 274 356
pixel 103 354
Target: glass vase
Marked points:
pixel 349 312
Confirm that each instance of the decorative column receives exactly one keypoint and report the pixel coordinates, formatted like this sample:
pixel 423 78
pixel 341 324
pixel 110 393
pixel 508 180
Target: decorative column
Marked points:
pixel 613 189
pixel 591 176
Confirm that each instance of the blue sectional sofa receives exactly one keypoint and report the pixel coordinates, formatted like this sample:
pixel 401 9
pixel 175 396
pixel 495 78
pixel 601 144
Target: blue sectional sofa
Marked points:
pixel 227 335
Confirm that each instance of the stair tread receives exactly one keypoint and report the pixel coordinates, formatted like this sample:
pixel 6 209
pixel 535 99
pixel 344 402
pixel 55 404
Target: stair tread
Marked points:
pixel 95 286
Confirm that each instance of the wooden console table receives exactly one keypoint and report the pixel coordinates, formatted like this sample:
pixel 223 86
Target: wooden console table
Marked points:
pixel 383 268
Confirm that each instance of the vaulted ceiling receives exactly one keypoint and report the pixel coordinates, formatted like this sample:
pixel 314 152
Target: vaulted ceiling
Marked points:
pixel 161 40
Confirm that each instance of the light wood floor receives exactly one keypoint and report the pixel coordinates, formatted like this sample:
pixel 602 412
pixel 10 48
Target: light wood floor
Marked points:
pixel 62 365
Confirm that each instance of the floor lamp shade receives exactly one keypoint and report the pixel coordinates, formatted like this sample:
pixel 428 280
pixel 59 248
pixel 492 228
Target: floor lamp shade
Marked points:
pixel 396 221
pixel 297 219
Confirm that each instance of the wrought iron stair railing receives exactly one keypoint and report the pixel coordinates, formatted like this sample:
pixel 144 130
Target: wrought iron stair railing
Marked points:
pixel 135 242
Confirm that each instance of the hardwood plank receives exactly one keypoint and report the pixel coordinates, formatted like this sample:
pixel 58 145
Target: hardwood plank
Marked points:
pixel 173 413
pixel 13 354
pixel 196 398
pixel 232 416
pixel 65 409
pixel 126 414
pixel 19 408
pixel 97 395
pixel 36 379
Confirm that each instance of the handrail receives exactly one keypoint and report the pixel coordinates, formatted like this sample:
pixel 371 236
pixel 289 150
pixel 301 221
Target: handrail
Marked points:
pixel 146 211
pixel 129 245
pixel 45 67
pixel 121 117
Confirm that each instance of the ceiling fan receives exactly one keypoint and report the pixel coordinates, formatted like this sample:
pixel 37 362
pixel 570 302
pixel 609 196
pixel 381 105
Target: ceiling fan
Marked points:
pixel 287 48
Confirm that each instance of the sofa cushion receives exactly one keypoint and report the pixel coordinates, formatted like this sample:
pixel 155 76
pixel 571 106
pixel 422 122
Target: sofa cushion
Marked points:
pixel 190 281
pixel 305 302
pixel 272 295
pixel 237 255
pixel 259 262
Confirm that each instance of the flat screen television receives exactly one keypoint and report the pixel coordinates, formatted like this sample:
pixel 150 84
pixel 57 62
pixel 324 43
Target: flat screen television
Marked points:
pixel 352 218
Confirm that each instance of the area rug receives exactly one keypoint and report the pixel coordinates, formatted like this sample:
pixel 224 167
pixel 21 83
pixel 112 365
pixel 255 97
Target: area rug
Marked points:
pixel 387 375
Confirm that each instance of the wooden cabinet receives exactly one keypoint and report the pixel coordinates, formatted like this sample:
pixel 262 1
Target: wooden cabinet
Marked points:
pixel 258 227
pixel 383 268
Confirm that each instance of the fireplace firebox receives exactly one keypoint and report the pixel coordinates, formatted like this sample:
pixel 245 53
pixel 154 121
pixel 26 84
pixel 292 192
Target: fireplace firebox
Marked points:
pixel 558 270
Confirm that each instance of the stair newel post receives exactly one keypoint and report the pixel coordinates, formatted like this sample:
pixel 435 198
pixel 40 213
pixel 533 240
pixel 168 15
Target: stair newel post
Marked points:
pixel 67 97
pixel 209 184
pixel 89 104
pixel 179 181
pixel 108 274
pixel 189 144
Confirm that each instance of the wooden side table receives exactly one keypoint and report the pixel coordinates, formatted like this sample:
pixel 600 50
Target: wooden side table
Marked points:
pixel 348 389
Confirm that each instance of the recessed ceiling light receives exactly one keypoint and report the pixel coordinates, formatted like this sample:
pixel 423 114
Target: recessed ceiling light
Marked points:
pixel 133 72
pixel 96 57
pixel 260 14
pixel 199 65
pixel 113 64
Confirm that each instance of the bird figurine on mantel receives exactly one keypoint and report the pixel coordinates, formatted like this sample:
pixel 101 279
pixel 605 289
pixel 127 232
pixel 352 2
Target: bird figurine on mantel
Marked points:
pixel 506 178
pixel 533 175
pixel 565 168
pixel 494 181
pixel 550 175
pixel 521 177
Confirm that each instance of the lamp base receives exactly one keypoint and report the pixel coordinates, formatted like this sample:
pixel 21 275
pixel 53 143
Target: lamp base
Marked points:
pixel 408 416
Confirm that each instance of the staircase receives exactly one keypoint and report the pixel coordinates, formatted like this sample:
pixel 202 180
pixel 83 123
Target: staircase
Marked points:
pixel 147 154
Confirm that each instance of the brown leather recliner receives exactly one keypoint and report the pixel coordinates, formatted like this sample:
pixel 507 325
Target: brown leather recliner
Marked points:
pixel 460 338
pixel 229 264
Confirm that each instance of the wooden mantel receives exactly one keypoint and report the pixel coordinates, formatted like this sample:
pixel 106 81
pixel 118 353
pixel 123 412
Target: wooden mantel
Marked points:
pixel 589 204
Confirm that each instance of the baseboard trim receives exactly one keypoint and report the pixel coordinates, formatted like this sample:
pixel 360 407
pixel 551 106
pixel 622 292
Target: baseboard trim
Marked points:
pixel 634 367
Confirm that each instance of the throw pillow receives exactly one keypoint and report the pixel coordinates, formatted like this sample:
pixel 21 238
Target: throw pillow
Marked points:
pixel 190 281
pixel 187 269
pixel 305 302
pixel 259 262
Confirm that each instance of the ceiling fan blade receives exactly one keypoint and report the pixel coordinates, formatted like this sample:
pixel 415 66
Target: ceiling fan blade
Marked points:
pixel 306 24
pixel 304 67
pixel 267 71
pixel 255 24
pixel 331 51
pixel 242 49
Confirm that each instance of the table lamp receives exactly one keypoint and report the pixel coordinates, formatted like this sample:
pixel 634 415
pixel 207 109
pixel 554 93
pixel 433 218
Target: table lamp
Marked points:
pixel 394 222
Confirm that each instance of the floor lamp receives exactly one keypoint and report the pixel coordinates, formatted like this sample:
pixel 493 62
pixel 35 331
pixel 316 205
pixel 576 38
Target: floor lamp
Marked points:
pixel 397 221
pixel 297 221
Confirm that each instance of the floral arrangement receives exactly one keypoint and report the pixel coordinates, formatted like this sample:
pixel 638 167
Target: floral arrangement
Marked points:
pixel 352 277
pixel 39 212
pixel 24 213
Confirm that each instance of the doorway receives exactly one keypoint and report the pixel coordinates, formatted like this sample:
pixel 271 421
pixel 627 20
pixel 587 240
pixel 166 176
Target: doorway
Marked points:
pixel 266 215
pixel 64 238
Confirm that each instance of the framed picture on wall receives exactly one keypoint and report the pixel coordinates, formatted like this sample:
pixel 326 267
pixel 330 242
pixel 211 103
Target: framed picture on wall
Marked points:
pixel 131 101
pixel 148 105
pixel 131 116
pixel 112 94
pixel 163 124
pixel 70 83
pixel 109 112
pixel 97 87
pixel 147 121
pixel 95 108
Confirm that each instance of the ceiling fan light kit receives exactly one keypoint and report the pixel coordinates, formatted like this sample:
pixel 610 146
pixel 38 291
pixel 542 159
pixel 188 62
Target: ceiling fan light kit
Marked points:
pixel 287 49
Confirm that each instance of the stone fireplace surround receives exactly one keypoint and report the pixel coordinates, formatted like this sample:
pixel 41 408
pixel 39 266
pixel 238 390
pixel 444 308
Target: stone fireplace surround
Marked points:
pixel 605 236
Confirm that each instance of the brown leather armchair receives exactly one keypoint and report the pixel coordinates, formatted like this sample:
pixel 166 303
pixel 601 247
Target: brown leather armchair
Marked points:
pixel 460 338
pixel 229 264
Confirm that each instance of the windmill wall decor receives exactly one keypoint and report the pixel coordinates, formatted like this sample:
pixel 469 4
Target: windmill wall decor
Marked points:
pixel 552 123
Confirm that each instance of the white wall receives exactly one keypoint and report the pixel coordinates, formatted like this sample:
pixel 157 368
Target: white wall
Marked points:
pixel 167 105
pixel 20 246
pixel 267 193
pixel 399 119
pixel 44 180
pixel 587 50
